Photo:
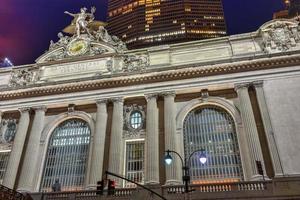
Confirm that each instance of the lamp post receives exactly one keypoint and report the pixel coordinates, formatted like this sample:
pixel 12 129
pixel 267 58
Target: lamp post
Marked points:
pixel 185 165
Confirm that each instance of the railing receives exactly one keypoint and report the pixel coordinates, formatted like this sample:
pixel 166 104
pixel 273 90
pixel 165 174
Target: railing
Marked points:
pixel 87 194
pixel 285 188
pixel 9 194
pixel 218 187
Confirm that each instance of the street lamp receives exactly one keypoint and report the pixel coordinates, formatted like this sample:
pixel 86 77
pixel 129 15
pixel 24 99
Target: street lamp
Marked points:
pixel 185 165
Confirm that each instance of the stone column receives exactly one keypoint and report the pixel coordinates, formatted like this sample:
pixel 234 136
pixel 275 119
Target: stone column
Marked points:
pixel 173 171
pixel 28 176
pixel 116 149
pixel 251 132
pixel 152 141
pixel 268 128
pixel 98 143
pixel 1 113
pixel 17 149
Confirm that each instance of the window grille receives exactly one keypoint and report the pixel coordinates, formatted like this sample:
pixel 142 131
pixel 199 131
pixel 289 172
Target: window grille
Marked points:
pixel 67 156
pixel 212 129
pixel 134 162
pixel 4 157
pixel 136 119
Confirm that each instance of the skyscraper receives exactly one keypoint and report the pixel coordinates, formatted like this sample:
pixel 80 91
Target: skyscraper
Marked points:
pixel 292 9
pixel 142 23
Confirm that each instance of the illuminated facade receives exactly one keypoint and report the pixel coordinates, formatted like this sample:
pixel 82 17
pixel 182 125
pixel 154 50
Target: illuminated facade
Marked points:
pixel 89 105
pixel 142 23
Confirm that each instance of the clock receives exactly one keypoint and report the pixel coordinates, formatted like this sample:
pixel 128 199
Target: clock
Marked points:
pixel 77 47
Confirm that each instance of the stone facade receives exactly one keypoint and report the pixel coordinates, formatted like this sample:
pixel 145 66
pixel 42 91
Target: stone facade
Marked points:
pixel 254 77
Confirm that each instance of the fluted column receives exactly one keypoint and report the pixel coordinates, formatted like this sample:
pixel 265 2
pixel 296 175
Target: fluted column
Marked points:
pixel 250 129
pixel 268 128
pixel 98 143
pixel 152 141
pixel 29 174
pixel 116 150
pixel 1 113
pixel 173 171
pixel 17 149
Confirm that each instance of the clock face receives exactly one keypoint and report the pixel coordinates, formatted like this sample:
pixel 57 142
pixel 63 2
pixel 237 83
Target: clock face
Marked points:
pixel 77 47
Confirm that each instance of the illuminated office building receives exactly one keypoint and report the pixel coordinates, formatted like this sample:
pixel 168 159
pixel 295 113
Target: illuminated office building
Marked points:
pixel 292 9
pixel 142 23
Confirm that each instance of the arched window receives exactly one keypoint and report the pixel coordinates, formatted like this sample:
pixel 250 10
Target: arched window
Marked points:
pixel 212 129
pixel 67 155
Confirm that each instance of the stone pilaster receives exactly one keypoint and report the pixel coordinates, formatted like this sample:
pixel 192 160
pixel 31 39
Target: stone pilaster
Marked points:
pixel 268 128
pixel 116 150
pixel 1 113
pixel 152 141
pixel 250 129
pixel 173 171
pixel 28 174
pixel 17 149
pixel 98 144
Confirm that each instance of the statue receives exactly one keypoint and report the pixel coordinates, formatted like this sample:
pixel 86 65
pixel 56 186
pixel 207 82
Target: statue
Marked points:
pixel 82 20
pixel 56 187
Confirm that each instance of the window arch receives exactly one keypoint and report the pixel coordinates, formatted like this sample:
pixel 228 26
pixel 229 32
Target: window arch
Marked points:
pixel 67 155
pixel 213 129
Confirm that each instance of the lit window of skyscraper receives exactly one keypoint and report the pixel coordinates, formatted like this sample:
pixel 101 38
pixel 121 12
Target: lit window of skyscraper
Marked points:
pixel 142 23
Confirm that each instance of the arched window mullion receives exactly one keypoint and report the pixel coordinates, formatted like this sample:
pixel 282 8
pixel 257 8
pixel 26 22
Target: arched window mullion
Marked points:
pixel 212 128
pixel 67 155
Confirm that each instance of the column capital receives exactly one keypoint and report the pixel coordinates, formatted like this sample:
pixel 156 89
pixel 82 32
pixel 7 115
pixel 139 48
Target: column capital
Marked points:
pixel 168 94
pixel 24 109
pixel 151 96
pixel 258 84
pixel 239 86
pixel 101 101
pixel 117 99
pixel 40 108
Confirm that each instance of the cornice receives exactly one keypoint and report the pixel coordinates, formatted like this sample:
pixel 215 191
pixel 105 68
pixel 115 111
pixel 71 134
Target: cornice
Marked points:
pixel 192 71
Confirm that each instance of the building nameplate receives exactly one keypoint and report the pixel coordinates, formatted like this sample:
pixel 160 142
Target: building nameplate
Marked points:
pixel 84 69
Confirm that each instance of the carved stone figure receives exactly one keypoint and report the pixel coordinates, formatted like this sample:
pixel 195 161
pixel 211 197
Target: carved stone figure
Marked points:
pixel 89 37
pixel 82 20
pixel 63 40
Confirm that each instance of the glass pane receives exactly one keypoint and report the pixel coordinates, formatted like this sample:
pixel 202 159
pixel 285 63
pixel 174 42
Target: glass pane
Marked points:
pixel 4 156
pixel 135 162
pixel 67 156
pixel 212 129
pixel 136 119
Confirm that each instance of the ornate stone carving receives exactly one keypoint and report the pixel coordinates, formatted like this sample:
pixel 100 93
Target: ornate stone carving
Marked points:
pixel 131 130
pixel 22 77
pixel 241 86
pixel 89 37
pixel 8 131
pixel 135 63
pixel 280 35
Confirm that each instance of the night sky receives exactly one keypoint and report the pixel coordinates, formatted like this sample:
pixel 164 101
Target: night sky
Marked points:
pixel 27 26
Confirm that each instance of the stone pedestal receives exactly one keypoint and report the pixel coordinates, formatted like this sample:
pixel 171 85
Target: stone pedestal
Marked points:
pixel 152 141
pixel 17 149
